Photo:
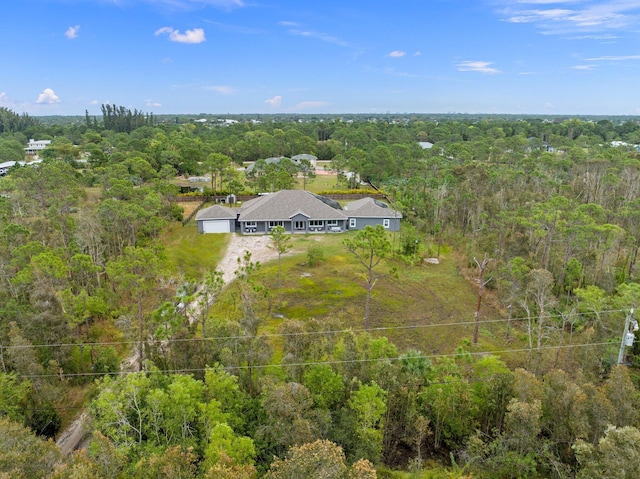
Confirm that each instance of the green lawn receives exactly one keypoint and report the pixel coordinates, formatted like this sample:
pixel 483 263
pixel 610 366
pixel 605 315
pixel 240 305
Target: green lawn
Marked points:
pixel 421 307
pixel 191 254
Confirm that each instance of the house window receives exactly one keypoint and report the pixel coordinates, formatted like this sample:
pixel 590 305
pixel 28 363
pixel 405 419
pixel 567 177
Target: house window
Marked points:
pixel 251 224
pixel 352 222
pixel 332 223
pixel 386 223
pixel 273 224
pixel 316 225
pixel 299 225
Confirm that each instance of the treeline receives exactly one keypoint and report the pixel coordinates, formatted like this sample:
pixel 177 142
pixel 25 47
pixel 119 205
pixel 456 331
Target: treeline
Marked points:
pixel 120 119
pixel 11 122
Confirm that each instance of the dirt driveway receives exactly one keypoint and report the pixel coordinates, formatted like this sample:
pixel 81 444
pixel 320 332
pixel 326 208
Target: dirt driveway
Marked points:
pixel 257 245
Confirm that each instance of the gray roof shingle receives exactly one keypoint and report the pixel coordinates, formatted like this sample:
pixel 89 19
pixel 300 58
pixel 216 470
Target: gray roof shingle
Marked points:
pixel 285 204
pixel 370 208
pixel 217 212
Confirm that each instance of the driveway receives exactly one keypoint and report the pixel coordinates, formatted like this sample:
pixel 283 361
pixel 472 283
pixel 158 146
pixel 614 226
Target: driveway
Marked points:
pixel 258 246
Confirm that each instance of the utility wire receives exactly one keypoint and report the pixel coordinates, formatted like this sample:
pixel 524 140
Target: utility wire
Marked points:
pixel 329 362
pixel 305 333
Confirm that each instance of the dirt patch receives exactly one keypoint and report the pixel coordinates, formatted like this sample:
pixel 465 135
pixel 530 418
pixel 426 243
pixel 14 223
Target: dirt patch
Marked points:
pixel 258 246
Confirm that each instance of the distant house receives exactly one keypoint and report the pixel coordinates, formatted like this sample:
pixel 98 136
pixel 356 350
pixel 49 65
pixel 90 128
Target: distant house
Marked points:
pixel 298 159
pixel 35 146
pixel 272 160
pixel 297 211
pixel 4 167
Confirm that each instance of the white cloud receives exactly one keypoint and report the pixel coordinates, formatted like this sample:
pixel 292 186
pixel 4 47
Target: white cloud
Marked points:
pixel 5 100
pixel 418 53
pixel 557 17
pixel 72 32
pixel 477 66
pixel 94 102
pixel 227 90
pixel 614 58
pixel 549 105
pixel 150 103
pixel 190 36
pixel 583 67
pixel 396 54
pixel 317 35
pixel 47 97
pixel 274 102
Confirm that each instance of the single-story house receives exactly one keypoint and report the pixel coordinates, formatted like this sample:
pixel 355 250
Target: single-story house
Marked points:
pixel 7 165
pixel 267 161
pixel 297 211
pixel 297 159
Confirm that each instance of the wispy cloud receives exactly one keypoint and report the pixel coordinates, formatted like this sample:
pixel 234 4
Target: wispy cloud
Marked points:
pixel 72 32
pixel 192 4
pixel 298 30
pixel 319 36
pixel 5 100
pixel 396 54
pixel 614 58
pixel 583 67
pixel 47 97
pixel 224 89
pixel 310 105
pixel 567 17
pixel 477 66
pixel 150 103
pixel 274 102
pixel 190 36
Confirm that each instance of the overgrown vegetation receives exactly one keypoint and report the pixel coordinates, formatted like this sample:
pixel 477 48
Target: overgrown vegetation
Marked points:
pixel 109 303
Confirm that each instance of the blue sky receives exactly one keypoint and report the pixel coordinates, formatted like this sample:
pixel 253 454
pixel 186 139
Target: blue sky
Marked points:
pixel 62 57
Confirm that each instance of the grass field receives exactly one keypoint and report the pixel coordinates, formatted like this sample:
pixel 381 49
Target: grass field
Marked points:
pixel 426 307
pixel 191 254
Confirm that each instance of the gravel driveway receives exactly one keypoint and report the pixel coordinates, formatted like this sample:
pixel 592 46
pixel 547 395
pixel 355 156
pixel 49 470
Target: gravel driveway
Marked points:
pixel 257 245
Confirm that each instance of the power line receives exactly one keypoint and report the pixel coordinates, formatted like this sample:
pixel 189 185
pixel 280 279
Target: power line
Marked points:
pixel 305 333
pixel 329 362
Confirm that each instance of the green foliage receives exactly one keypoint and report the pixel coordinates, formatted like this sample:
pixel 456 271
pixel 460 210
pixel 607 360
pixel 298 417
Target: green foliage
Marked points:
pixel 13 397
pixel 315 254
pixel 22 454
pixel 141 412
pixel 615 456
pixel 12 122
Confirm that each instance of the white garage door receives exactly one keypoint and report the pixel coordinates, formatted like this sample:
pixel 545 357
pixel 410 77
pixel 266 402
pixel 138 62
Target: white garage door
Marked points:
pixel 216 226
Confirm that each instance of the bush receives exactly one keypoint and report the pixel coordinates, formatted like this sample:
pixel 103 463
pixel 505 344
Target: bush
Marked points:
pixel 315 254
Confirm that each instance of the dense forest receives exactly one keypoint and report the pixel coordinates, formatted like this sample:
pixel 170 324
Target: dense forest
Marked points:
pixel 541 215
